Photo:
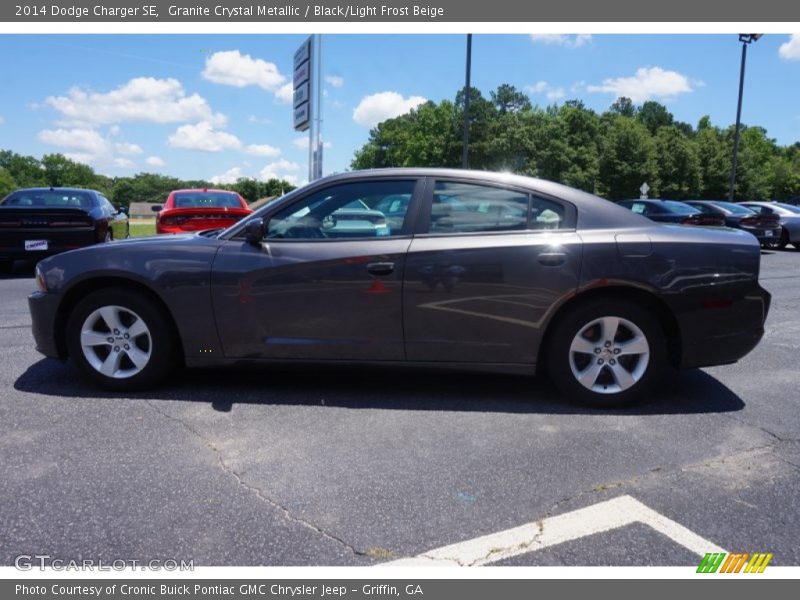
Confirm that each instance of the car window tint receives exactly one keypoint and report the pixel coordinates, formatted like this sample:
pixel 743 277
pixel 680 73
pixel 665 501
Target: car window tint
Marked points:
pixel 640 208
pixel 49 198
pixel 206 200
pixel 469 208
pixel 351 210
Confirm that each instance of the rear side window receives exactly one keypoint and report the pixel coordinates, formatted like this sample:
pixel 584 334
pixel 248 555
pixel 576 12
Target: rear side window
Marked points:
pixel 470 208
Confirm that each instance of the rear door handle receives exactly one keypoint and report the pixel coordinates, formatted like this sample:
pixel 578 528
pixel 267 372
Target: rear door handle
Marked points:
pixel 380 268
pixel 552 259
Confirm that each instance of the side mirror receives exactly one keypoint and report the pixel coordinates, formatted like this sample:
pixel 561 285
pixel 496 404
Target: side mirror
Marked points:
pixel 156 208
pixel 254 231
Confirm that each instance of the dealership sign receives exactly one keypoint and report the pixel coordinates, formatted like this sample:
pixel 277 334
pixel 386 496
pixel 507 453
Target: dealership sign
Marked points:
pixel 301 98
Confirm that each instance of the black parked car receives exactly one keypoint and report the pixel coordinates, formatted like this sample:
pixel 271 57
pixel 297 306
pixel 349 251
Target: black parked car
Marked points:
pixel 39 222
pixel 672 211
pixel 484 271
pixel 766 228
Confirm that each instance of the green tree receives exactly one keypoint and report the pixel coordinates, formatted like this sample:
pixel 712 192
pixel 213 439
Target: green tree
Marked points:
pixel 678 164
pixel 7 183
pixel 60 171
pixel 654 116
pixel 627 159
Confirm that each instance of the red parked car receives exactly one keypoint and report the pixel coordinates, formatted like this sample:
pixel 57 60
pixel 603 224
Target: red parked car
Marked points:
pixel 195 210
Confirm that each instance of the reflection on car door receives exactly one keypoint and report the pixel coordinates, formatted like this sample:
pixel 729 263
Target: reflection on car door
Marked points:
pixel 320 298
pixel 484 296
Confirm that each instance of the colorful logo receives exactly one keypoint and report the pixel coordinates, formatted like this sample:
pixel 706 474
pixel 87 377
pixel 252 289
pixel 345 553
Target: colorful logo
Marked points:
pixel 734 563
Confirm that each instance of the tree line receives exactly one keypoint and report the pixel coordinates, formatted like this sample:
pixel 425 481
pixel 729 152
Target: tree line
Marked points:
pixel 56 170
pixel 610 154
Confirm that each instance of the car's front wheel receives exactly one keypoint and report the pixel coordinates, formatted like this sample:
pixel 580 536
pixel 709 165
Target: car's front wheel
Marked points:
pixel 120 340
pixel 606 353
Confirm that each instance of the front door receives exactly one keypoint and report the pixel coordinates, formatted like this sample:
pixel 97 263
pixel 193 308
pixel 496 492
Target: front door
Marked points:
pixel 326 283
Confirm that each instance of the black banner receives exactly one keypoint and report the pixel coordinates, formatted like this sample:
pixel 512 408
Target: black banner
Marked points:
pixel 400 11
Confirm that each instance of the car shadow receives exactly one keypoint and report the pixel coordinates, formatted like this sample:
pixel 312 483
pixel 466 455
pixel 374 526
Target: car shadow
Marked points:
pixel 686 392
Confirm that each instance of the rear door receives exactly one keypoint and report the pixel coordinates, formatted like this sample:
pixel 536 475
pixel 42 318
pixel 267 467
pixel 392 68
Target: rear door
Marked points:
pixel 484 272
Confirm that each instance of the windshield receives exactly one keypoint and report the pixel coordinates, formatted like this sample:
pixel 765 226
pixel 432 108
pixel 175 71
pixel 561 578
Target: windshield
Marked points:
pixel 49 199
pixel 735 209
pixel 671 206
pixel 790 207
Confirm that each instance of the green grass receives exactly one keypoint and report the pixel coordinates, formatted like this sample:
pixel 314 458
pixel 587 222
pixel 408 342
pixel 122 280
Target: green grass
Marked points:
pixel 143 228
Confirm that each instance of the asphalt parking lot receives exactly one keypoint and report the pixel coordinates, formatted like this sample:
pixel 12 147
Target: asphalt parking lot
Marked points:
pixel 287 467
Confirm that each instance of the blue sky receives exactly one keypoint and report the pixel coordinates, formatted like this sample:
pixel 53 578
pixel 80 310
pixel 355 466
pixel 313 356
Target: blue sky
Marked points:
pixel 216 106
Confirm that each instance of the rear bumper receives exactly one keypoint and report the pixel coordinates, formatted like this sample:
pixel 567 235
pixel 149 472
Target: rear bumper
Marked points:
pixel 43 308
pixel 721 333
pixel 12 244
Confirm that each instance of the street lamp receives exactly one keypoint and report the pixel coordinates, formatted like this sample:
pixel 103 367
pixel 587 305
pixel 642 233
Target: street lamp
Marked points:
pixel 746 39
pixel 467 94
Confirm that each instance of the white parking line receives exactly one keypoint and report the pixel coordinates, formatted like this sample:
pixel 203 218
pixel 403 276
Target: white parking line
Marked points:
pixel 537 535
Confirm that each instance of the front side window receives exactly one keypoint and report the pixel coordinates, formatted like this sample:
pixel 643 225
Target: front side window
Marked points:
pixel 346 211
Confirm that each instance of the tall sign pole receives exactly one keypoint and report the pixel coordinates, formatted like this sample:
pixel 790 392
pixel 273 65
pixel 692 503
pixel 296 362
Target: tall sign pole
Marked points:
pixel 307 100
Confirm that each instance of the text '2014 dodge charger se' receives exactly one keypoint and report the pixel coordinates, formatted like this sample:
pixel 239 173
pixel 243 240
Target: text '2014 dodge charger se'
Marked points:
pixel 463 269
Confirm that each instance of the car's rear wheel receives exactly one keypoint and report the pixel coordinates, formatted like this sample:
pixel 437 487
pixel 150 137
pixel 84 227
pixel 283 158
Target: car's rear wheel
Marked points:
pixel 606 353
pixel 120 340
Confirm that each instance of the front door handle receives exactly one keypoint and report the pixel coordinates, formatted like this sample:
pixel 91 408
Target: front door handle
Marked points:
pixel 552 259
pixel 380 268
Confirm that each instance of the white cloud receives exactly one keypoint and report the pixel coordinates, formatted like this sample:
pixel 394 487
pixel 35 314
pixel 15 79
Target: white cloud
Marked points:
pixel 142 99
pixel 262 150
pixel 203 136
pixel 542 87
pixel 229 176
pixel 791 50
pixel 155 161
pixel 87 145
pixel 334 80
pixel 647 83
pixel 241 70
pixel 280 169
pixel 128 148
pixel 384 105
pixel 285 93
pixel 84 141
pixel 259 120
pixel 302 142
pixel 558 39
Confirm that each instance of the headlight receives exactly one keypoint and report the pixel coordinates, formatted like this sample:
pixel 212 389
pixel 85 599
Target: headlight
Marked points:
pixel 40 282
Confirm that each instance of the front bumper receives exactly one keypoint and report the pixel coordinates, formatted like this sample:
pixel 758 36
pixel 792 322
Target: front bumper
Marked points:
pixel 44 308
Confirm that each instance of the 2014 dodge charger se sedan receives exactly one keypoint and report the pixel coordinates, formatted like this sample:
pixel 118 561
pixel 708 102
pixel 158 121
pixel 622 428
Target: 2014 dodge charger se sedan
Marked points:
pixel 477 271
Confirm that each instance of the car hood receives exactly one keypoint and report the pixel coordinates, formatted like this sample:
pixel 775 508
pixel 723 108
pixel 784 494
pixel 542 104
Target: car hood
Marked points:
pixel 151 259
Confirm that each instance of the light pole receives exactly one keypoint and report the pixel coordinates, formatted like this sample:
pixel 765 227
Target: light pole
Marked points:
pixel 467 94
pixel 746 39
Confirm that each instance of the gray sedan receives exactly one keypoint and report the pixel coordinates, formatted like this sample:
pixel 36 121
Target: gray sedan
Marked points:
pixel 474 271
pixel 789 216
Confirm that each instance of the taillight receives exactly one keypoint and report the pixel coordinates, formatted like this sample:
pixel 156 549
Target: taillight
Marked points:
pixel 690 220
pixel 749 221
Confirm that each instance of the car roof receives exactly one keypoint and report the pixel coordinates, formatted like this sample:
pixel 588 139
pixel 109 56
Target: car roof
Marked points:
pixel 594 212
pixel 203 190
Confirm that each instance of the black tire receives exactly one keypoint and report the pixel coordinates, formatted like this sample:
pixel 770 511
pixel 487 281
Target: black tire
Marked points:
pixel 560 364
pixel 784 239
pixel 161 343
